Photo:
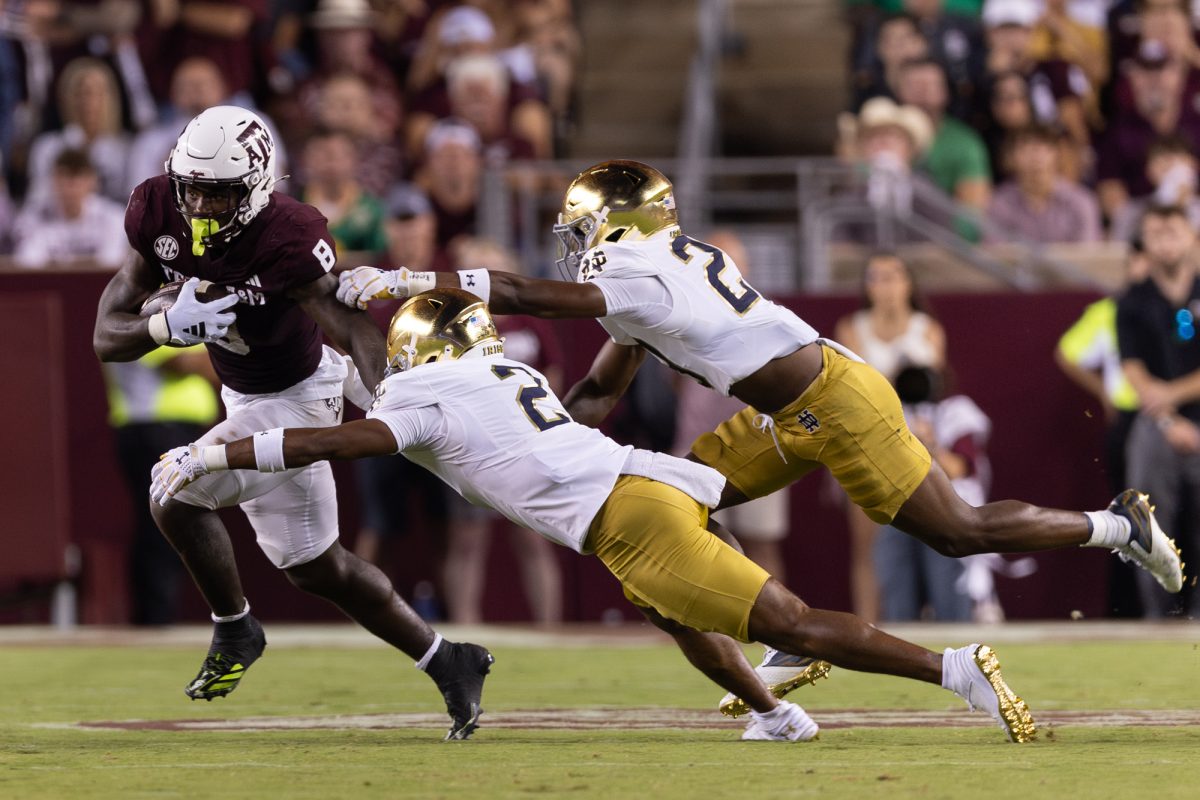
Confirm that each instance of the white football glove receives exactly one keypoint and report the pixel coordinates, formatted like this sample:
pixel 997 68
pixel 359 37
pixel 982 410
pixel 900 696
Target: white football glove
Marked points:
pixel 359 286
pixel 191 321
pixel 175 469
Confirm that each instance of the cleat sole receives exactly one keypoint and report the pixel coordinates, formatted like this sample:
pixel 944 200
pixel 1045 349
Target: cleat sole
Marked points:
pixel 811 674
pixel 1018 721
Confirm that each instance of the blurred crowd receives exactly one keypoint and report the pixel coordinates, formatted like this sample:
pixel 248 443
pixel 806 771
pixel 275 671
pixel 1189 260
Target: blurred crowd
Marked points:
pixel 383 109
pixel 1057 120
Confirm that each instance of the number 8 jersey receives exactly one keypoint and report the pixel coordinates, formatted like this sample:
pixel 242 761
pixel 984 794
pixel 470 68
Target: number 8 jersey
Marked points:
pixel 274 344
pixel 685 302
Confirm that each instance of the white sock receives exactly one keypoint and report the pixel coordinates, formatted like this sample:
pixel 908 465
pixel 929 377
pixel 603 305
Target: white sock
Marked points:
pixel 769 716
pixel 433 648
pixel 233 617
pixel 948 665
pixel 1109 530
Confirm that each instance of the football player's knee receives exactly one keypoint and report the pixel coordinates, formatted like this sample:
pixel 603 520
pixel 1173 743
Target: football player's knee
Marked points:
pixel 322 576
pixel 777 612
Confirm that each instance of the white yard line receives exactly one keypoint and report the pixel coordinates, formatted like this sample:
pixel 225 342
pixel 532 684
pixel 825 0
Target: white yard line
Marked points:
pixel 647 719
pixel 589 635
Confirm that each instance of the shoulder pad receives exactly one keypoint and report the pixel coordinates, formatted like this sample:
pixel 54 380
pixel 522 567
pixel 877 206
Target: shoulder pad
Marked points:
pixel 400 391
pixel 625 260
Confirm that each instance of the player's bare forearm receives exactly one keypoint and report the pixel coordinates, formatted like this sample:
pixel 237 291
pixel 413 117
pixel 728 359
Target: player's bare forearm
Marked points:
pixel 592 399
pixel 368 349
pixel 587 405
pixel 350 329
pixel 303 446
pixel 516 294
pixel 120 333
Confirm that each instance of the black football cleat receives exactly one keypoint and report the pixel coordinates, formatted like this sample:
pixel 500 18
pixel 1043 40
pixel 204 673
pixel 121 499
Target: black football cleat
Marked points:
pixel 1148 546
pixel 458 669
pixel 235 646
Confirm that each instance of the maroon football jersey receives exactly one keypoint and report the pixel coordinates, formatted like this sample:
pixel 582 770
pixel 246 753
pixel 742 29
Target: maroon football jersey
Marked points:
pixel 273 344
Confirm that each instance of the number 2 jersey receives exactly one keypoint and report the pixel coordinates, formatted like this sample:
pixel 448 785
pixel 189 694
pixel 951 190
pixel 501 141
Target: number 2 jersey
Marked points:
pixel 685 302
pixel 273 344
pixel 491 429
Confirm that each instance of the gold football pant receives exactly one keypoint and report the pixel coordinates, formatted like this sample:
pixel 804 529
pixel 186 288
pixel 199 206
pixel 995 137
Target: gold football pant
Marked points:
pixel 653 538
pixel 849 420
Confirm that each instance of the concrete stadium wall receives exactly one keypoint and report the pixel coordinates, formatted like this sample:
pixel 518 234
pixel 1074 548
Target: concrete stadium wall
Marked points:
pixel 1045 449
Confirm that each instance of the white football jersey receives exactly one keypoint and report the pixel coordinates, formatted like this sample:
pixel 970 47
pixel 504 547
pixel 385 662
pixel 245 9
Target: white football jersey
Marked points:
pixel 701 318
pixel 492 429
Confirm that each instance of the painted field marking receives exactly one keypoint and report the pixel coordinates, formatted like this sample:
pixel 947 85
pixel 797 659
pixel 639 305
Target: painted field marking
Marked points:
pixel 646 719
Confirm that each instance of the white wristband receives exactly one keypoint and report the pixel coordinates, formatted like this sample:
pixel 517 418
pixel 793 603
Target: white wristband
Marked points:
pixel 421 282
pixel 476 281
pixel 268 450
pixel 160 331
pixel 214 458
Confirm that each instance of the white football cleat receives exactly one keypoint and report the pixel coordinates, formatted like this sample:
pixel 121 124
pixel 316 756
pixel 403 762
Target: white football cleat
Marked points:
pixel 781 673
pixel 973 673
pixel 1148 546
pixel 787 722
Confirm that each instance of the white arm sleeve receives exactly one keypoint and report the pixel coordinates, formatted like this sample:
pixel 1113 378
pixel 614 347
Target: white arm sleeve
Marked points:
pixel 411 427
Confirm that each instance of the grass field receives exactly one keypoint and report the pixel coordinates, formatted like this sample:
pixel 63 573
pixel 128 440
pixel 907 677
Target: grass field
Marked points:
pixel 327 714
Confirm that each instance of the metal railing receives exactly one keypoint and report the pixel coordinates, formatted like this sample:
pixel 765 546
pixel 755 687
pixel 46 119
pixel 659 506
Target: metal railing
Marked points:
pixel 801 207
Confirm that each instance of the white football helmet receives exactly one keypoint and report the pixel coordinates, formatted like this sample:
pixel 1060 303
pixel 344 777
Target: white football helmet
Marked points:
pixel 223 148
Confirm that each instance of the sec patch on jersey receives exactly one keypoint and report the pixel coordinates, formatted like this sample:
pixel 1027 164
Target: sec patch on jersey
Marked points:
pixel 164 297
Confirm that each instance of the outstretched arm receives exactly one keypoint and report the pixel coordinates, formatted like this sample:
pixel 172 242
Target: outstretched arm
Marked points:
pixel 303 446
pixel 504 292
pixel 275 450
pixel 516 294
pixel 352 330
pixel 590 401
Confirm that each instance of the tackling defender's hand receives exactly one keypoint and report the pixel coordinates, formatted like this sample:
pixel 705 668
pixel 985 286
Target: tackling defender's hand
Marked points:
pixel 175 469
pixel 191 321
pixel 359 286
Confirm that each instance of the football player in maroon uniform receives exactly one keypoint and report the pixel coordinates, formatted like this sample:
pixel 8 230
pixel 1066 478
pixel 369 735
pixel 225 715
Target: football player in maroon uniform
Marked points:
pixel 214 216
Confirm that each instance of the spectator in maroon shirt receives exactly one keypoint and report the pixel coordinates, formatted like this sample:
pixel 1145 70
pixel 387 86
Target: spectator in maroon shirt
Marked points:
pixel 1056 88
pixel 897 41
pixel 1171 167
pixel 1007 109
pixel 345 41
pixel 462 31
pixel 451 176
pixel 478 87
pixel 230 32
pixel 346 106
pixel 1158 85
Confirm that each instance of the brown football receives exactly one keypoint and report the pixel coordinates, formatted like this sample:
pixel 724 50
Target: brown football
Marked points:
pixel 164 297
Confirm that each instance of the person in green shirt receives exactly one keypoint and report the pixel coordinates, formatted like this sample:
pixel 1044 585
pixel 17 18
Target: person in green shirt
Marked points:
pixel 967 8
pixel 356 218
pixel 957 160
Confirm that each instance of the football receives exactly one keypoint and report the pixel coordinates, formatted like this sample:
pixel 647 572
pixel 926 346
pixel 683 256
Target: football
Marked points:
pixel 164 297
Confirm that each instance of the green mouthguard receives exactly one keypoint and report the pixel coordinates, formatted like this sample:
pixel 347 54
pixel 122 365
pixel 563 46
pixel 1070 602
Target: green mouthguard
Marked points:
pixel 200 229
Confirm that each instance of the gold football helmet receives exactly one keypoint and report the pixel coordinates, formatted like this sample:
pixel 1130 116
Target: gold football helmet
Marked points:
pixel 439 325
pixel 611 202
